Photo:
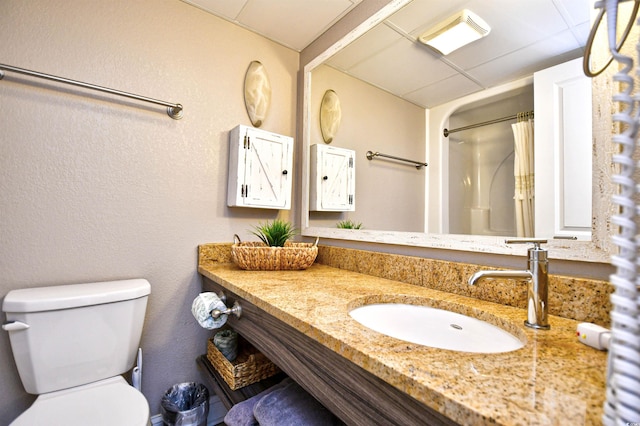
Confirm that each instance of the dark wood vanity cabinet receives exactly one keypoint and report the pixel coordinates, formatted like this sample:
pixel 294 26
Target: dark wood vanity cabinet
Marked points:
pixel 356 396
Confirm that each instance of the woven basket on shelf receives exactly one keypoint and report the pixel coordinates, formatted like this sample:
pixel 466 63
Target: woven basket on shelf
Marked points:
pixel 249 367
pixel 257 256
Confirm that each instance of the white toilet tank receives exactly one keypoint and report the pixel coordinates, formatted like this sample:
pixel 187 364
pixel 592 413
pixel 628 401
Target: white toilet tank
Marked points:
pixel 70 335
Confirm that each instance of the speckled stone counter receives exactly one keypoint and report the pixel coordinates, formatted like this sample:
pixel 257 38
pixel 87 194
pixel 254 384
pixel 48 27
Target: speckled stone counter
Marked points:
pixel 553 379
pixel 582 299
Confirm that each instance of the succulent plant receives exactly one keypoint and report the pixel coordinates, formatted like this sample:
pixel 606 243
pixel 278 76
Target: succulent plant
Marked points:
pixel 274 234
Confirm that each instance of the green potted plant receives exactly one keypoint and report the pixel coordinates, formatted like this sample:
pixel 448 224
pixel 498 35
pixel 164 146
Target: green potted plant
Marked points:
pixel 349 224
pixel 274 234
pixel 274 251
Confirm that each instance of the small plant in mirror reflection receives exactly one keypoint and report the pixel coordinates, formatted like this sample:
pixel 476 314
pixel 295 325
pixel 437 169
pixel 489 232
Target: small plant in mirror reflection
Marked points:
pixel 274 234
pixel 349 224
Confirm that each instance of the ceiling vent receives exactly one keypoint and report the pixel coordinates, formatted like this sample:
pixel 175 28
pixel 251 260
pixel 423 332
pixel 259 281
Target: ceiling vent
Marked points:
pixel 458 30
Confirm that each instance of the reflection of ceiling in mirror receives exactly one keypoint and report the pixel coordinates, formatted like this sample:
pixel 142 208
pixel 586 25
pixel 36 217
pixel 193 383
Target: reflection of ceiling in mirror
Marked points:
pixel 525 36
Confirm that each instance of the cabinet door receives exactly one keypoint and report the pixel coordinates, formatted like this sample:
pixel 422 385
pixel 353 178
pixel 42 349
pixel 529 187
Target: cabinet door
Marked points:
pixel 267 171
pixel 334 179
pixel 260 169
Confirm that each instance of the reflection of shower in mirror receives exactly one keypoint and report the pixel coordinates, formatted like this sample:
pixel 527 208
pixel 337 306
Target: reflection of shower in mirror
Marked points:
pixel 481 167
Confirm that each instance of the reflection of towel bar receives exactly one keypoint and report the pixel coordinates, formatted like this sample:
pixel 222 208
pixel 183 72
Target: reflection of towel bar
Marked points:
pixel 371 155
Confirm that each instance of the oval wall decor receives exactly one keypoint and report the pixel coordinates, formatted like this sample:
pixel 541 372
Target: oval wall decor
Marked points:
pixel 257 93
pixel 330 115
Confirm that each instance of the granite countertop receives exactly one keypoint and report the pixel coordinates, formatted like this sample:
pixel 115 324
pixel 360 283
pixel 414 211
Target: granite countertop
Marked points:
pixel 553 379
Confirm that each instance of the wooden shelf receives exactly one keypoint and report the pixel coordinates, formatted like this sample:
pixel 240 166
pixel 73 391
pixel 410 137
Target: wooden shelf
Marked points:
pixel 230 397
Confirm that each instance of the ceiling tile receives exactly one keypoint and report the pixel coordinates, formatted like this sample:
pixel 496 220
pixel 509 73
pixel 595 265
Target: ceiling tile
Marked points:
pixel 366 46
pixel 228 9
pixel 575 15
pixel 293 23
pixel 526 61
pixel 582 31
pixel 438 93
pixel 402 68
pixel 420 15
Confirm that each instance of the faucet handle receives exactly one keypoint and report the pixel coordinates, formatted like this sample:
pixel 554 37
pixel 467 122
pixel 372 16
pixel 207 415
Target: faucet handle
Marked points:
pixel 535 241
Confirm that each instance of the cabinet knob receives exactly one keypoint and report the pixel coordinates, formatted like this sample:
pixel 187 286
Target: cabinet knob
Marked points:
pixel 284 172
pixel 325 177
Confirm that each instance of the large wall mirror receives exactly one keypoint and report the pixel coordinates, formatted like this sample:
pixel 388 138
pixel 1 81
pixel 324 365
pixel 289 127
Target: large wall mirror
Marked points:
pixel 398 95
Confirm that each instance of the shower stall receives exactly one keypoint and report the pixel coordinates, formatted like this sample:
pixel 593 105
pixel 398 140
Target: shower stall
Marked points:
pixel 481 164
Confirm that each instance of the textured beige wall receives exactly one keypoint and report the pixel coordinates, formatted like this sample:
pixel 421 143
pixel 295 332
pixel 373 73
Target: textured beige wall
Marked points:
pixel 374 120
pixel 95 187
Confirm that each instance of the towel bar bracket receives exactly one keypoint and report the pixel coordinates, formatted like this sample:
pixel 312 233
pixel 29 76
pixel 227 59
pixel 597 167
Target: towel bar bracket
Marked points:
pixel 175 112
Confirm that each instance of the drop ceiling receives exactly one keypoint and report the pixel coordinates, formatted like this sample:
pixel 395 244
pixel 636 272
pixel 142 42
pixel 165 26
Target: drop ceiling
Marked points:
pixel 292 23
pixel 526 36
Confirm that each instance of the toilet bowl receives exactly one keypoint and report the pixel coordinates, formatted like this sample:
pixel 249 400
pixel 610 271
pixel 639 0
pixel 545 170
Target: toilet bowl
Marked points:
pixel 108 402
pixel 71 344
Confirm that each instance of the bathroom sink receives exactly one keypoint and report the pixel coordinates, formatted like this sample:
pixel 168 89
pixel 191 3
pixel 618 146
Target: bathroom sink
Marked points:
pixel 436 328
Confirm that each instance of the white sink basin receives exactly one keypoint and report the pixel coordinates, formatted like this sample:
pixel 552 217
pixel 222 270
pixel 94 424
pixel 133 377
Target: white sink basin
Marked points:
pixel 437 328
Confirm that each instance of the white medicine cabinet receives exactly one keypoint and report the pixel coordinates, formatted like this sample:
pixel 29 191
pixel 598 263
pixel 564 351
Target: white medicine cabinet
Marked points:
pixel 260 169
pixel 332 179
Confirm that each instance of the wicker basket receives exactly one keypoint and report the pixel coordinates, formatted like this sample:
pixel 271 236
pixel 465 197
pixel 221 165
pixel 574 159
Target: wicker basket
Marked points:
pixel 249 367
pixel 257 256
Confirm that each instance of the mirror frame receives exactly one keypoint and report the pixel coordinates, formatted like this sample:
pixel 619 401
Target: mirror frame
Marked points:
pixel 599 249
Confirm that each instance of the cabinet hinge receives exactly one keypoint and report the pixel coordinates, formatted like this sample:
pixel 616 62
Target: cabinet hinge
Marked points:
pixel 247 142
pixel 244 191
pixel 350 199
pixel 351 162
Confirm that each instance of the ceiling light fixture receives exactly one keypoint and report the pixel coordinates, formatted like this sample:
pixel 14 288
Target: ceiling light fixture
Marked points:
pixel 458 30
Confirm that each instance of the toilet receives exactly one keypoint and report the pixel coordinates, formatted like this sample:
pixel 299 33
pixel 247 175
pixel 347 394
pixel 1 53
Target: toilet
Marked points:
pixel 71 343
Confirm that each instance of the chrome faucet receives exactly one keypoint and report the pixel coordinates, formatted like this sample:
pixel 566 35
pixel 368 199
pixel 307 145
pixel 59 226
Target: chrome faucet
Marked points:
pixel 538 277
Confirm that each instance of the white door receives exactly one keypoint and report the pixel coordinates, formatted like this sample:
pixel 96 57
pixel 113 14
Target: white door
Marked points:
pixel 563 152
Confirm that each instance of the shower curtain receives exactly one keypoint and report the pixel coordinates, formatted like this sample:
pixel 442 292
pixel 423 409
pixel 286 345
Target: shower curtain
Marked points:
pixel 523 173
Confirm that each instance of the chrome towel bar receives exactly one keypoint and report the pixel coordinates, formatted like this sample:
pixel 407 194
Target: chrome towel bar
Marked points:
pixel 174 111
pixel 418 164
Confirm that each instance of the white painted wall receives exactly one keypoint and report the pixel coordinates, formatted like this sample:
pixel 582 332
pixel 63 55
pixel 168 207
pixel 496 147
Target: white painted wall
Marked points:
pixel 94 187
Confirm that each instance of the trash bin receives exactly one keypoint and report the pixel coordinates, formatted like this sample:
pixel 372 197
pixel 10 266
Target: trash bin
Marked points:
pixel 185 404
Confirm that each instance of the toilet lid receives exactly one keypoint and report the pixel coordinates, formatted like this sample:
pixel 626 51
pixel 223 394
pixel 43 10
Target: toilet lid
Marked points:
pixel 105 403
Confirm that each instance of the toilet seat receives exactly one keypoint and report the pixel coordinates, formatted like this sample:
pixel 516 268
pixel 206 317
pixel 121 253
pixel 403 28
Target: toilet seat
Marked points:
pixel 104 403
